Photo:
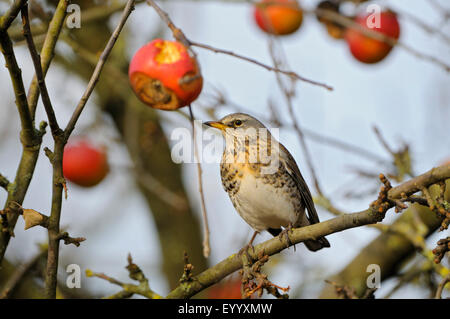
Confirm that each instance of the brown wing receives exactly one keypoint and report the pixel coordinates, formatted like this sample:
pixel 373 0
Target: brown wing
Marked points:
pixel 294 172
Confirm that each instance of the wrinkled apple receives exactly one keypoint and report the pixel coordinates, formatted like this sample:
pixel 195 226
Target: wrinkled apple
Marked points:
pixel 164 76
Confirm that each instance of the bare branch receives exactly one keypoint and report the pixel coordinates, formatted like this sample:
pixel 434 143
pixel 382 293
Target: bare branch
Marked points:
pixel 181 37
pixel 4 182
pixel 56 160
pixel 442 286
pixel 349 23
pixel 11 14
pixel 15 73
pixel 206 245
pixel 135 273
pixel 47 52
pixel 98 69
pixel 39 72
pixel 337 224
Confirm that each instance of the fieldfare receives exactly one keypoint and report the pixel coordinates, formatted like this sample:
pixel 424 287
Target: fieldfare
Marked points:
pixel 263 180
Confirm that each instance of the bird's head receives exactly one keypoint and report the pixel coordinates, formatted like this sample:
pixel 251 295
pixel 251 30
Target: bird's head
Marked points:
pixel 237 124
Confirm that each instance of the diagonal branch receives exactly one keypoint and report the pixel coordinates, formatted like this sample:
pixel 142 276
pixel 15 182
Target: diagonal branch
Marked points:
pixel 11 14
pixel 4 182
pixel 15 73
pixel 56 159
pixel 39 72
pixel 98 69
pixel 31 148
pixel 181 37
pixel 343 222
pixel 47 52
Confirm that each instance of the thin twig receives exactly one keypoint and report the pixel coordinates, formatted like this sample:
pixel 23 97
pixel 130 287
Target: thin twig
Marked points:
pixel 56 160
pixel 98 69
pixel 19 89
pixel 337 224
pixel 275 69
pixel 39 72
pixel 31 148
pixel 441 287
pixel 221 99
pixel 288 97
pixel 11 14
pixel 47 52
pixel 424 26
pixel 135 273
pixel 19 274
pixel 181 37
pixel 206 245
pixel 349 23
pixel 4 182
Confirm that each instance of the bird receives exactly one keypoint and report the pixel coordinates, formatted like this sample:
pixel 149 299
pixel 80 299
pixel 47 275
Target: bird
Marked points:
pixel 263 180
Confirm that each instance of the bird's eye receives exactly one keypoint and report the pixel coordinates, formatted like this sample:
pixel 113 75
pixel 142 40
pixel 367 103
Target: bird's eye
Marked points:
pixel 237 123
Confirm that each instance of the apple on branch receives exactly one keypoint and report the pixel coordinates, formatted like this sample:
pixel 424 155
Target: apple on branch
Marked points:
pixel 164 75
pixel 84 164
pixel 278 17
pixel 369 50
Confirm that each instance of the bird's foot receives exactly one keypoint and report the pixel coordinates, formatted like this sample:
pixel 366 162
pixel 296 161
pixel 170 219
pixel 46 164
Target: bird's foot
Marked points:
pixel 245 249
pixel 285 234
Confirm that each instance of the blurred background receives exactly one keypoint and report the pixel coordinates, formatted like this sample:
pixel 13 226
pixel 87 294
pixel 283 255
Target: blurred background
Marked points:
pixel 404 96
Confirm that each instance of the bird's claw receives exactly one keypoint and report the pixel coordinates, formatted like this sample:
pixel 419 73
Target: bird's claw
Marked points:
pixel 285 234
pixel 245 249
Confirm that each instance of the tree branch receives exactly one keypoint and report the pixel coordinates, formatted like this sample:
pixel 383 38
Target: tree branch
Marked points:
pixel 47 52
pixel 98 69
pixel 56 157
pixel 349 23
pixel 31 150
pixel 181 37
pixel 11 14
pixel 39 72
pixel 28 133
pixel 4 182
pixel 274 245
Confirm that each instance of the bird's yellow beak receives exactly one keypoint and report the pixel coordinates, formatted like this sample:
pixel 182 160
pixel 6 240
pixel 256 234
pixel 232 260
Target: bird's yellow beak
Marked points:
pixel 217 124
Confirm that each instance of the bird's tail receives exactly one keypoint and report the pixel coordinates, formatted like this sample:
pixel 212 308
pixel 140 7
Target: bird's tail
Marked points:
pixel 315 245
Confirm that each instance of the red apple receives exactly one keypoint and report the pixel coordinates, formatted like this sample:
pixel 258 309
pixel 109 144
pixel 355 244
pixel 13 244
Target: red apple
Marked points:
pixel 369 50
pixel 84 164
pixel 164 76
pixel 279 17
